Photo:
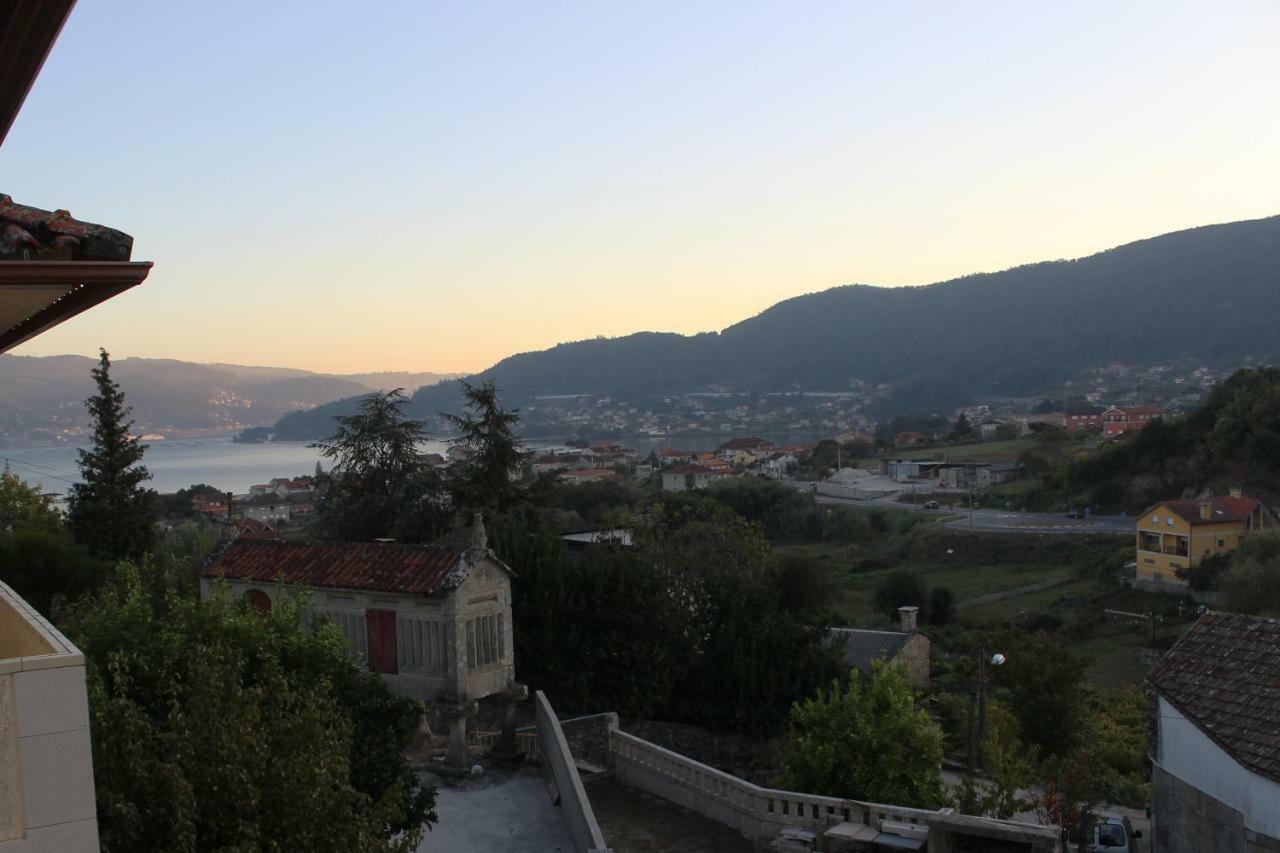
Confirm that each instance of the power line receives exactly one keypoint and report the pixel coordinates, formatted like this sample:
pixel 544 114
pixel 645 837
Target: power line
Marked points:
pixel 46 467
pixel 35 469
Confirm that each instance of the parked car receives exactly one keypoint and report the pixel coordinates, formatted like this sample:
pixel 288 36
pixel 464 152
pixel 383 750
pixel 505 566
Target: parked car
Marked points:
pixel 1074 513
pixel 1113 835
pixel 930 504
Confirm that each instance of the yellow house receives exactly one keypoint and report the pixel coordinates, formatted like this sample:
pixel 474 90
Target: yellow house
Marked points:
pixel 1176 535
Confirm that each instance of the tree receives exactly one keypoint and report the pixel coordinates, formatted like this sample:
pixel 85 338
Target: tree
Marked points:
pixel 215 727
pixel 48 568
pixel 902 588
pixel 1045 681
pixel 485 430
pixel 24 509
pixel 961 429
pixel 1010 771
pixel 379 485
pixel 942 605
pixel 866 742
pixel 1252 583
pixel 111 513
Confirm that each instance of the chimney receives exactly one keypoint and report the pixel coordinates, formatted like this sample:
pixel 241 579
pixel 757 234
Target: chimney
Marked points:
pixel 1206 509
pixel 1236 492
pixel 907 618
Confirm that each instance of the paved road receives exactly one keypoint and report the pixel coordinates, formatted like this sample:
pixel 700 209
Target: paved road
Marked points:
pixel 1002 520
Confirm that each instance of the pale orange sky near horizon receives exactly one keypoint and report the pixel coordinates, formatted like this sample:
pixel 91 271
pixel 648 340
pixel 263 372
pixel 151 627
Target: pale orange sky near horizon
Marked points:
pixel 488 180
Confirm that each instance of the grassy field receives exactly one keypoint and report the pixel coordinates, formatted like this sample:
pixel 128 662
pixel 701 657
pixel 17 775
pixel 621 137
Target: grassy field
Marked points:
pixel 1114 646
pixel 855 588
pixel 985 451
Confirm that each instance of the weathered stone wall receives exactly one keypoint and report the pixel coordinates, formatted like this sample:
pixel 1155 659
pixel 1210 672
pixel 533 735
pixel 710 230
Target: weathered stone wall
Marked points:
pixel 915 654
pixel 1186 820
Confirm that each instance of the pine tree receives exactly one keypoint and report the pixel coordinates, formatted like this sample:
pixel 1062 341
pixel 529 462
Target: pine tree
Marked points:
pixel 111 513
pixel 485 429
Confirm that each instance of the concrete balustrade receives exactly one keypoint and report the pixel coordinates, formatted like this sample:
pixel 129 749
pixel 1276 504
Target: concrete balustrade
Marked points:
pixel 754 811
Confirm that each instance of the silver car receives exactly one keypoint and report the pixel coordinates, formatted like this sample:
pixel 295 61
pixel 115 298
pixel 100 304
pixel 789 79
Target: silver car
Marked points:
pixel 1114 835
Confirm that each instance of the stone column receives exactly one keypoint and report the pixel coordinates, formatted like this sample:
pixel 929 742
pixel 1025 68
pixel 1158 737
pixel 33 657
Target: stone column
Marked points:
pixel 458 755
pixel 506 748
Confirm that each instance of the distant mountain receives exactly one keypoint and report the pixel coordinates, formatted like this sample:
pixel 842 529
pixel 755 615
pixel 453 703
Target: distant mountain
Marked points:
pixel 42 398
pixel 1209 293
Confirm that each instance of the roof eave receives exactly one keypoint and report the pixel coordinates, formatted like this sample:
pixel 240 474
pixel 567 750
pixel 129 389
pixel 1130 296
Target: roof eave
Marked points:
pixel 94 282
pixel 27 34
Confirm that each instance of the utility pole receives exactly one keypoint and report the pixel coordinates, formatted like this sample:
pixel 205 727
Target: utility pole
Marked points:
pixel 982 706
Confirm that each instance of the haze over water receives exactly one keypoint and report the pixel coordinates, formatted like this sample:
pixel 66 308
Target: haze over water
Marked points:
pixel 177 464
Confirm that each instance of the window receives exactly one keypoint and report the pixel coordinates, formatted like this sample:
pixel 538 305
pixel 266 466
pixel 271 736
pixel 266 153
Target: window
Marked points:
pixel 1155 519
pixel 353 627
pixel 1169 520
pixel 486 643
pixel 421 647
pixel 1222 543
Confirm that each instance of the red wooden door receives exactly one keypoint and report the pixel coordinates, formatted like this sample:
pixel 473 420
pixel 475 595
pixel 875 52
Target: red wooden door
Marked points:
pixel 382 641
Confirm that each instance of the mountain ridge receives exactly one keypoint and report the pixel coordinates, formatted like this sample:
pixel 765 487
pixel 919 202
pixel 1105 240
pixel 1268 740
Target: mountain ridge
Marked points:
pixel 1201 293
pixel 42 397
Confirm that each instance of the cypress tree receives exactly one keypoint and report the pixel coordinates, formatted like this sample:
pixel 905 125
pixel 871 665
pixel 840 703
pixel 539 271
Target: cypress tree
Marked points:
pixel 111 513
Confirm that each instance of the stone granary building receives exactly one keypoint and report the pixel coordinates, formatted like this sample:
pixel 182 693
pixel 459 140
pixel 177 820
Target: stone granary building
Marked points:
pixel 433 620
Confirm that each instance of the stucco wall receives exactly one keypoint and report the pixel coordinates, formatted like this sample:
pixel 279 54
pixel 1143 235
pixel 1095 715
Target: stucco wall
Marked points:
pixel 47 802
pixel 1197 785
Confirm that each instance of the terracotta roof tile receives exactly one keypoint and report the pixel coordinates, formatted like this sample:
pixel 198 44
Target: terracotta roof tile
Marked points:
pixel 29 233
pixel 373 566
pixel 1224 676
pixel 1224 509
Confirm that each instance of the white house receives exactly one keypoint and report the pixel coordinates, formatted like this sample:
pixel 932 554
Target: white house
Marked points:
pixel 1215 769
pixel 685 477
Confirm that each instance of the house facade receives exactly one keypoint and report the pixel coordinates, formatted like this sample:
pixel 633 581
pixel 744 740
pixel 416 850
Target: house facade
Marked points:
pixel 1214 701
pixel 743 451
pixel 1175 535
pixel 682 478
pixel 1117 421
pixel 1083 416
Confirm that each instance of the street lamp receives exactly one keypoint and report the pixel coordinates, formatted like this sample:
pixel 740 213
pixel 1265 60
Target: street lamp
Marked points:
pixel 997 659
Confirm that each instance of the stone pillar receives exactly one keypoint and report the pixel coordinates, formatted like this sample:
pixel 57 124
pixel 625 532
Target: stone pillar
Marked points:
pixel 458 755
pixel 506 748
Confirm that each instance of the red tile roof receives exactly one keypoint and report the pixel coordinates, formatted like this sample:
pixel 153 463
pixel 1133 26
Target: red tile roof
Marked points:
pixel 1224 675
pixel 749 443
pixel 373 566
pixel 1224 509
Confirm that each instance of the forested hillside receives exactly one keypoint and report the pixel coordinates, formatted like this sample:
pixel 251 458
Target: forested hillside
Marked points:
pixel 1208 293
pixel 1232 440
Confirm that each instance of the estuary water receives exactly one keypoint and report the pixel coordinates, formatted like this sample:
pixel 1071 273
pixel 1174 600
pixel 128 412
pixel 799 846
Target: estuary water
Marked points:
pixel 176 464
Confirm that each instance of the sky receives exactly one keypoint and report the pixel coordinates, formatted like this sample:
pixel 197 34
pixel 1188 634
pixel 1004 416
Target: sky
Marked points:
pixel 434 186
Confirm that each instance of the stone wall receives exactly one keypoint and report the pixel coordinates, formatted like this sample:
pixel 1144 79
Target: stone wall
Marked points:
pixel 1186 820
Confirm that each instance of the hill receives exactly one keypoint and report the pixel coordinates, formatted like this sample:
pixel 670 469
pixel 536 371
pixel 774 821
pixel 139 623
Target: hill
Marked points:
pixel 42 398
pixel 1205 294
pixel 1231 440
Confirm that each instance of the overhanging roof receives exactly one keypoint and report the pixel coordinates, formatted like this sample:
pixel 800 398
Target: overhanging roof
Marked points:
pixel 38 295
pixel 28 29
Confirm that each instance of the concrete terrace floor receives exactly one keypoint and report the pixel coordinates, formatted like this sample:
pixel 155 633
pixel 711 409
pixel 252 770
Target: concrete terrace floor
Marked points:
pixel 635 822
pixel 498 812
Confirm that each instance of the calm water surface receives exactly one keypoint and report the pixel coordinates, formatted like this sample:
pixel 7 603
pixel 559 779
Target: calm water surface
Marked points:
pixel 180 463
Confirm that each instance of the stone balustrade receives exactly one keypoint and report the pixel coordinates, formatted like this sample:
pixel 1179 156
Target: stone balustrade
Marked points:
pixel 754 811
